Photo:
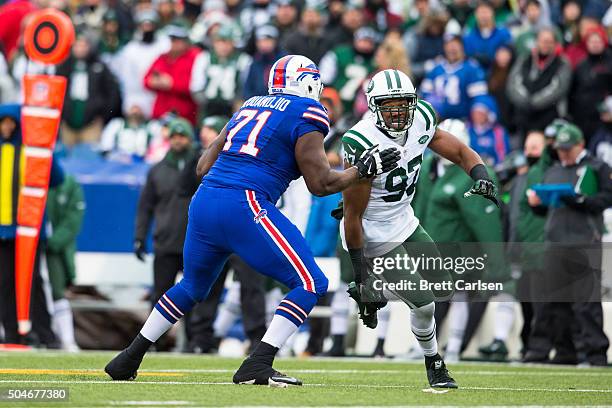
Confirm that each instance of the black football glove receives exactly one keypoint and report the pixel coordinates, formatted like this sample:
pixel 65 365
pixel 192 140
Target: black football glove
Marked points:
pixel 139 250
pixel 483 185
pixel 485 188
pixel 338 212
pixel 362 292
pixel 374 162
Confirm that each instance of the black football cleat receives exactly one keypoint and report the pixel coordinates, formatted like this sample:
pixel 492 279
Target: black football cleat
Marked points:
pixel 123 367
pixel 438 376
pixel 367 310
pixel 254 372
pixel 496 351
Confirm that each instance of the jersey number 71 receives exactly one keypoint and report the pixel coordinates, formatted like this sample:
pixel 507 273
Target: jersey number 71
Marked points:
pixel 244 117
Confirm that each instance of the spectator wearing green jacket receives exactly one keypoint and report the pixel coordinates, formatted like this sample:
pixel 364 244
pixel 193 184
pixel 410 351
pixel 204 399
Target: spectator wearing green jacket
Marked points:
pixel 65 208
pixel 449 217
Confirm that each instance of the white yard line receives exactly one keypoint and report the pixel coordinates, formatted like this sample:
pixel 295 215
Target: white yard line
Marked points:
pixel 108 382
pixel 511 372
pixel 347 371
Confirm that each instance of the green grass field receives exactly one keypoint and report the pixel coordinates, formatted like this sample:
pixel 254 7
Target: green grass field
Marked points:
pixel 188 380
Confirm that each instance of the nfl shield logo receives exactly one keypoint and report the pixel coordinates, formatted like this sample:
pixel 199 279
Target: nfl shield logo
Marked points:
pixel 41 92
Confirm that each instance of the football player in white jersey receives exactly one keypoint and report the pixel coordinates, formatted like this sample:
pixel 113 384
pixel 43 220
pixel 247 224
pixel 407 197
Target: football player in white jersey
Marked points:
pixel 379 227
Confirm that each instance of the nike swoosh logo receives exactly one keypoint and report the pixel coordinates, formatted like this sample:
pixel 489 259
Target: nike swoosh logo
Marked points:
pixel 365 312
pixel 352 149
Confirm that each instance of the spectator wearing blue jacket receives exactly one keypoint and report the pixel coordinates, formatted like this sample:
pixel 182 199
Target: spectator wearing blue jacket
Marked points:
pixel 453 85
pixel 266 54
pixel 11 174
pixel 482 41
pixel 322 229
pixel 487 137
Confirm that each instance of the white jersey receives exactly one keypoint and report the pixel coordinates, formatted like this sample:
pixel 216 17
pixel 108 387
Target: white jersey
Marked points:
pixel 389 218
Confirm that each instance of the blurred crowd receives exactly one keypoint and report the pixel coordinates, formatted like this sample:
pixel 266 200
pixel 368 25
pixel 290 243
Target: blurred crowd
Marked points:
pixel 506 66
pixel 155 81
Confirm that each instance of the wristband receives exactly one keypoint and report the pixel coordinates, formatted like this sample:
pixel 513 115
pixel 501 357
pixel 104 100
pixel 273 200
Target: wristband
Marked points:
pixel 357 260
pixel 479 172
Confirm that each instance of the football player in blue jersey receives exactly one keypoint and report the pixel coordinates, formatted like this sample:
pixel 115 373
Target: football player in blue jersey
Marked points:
pixel 269 142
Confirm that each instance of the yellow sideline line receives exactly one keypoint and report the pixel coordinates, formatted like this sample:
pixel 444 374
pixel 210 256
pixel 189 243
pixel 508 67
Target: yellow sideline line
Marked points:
pixel 37 371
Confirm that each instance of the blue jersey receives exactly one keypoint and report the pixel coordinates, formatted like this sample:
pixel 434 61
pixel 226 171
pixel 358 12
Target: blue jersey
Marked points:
pixel 259 152
pixel 452 88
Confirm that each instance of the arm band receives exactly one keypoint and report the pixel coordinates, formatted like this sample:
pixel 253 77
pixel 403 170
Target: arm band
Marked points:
pixel 479 172
pixel 357 260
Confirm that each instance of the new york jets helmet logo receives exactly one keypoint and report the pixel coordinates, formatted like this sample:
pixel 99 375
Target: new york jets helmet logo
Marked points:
pixel 423 139
pixel 370 86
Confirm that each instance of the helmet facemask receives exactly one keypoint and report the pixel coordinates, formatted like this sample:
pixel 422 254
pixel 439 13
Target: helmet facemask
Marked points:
pixel 395 119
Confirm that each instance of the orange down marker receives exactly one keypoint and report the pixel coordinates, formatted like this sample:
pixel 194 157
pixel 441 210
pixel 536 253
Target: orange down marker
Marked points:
pixel 48 39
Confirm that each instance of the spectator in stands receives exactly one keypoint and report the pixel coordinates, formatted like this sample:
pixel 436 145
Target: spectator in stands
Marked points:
pixel 426 43
pixel 390 55
pixel 570 19
pixel 160 142
pixel 191 9
pixel 416 13
pixel 170 73
pixel 128 139
pixel 347 66
pixel 309 39
pixel 352 20
pixel 167 11
pixel 136 58
pixel 525 35
pixel 160 202
pixel 502 13
pixel 11 15
pixel 218 75
pixel 336 9
pixel 256 14
pixel 378 15
pixel 592 82
pixel 487 137
pixel 11 149
pixel 338 125
pixel 92 93
pixel 268 52
pixel 286 19
pixel 573 255
pixel 576 51
pixel 453 85
pixel 65 210
pixel 538 84
pixel 90 15
pixel 600 144
pixel 498 77
pixel 482 41
pixel 111 41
